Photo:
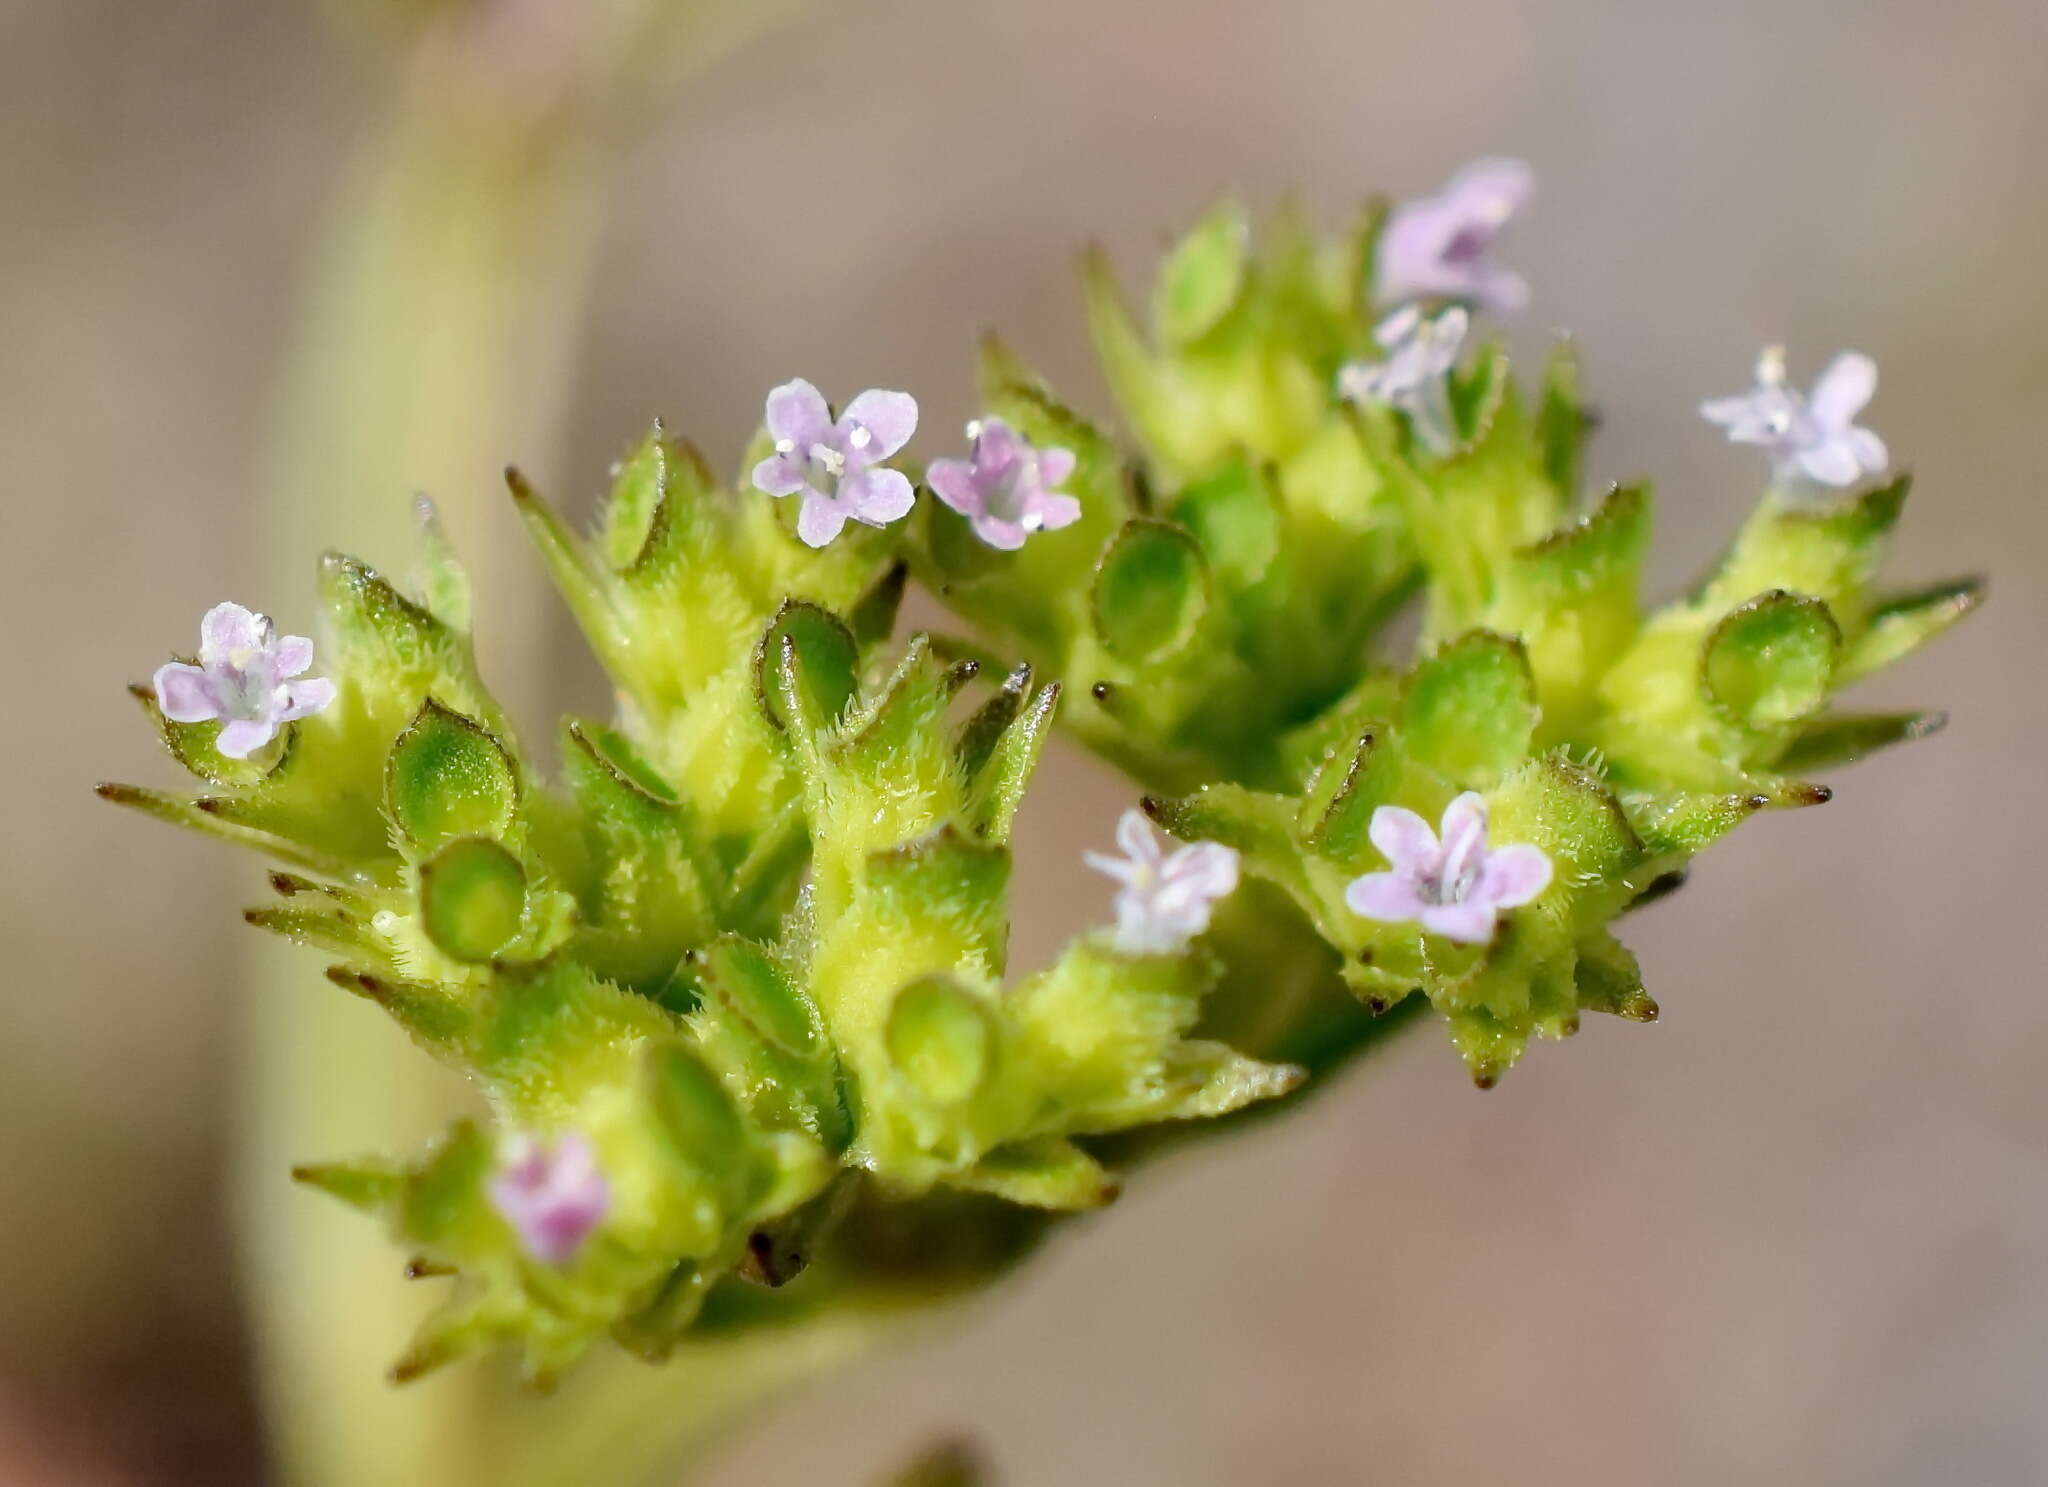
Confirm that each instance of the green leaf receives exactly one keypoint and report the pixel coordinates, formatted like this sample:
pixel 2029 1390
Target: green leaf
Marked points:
pixel 872 617
pixel 827 662
pixel 750 984
pixel 1126 359
pixel 203 817
pixel 1203 276
pixel 694 1110
pixel 1608 979
pixel 1771 660
pixel 371 1185
pixel 1571 814
pixel 1471 709
pixel 1601 552
pixel 997 788
pixel 985 726
pixel 1561 418
pixel 442 581
pixel 577 575
pixel 684 530
pixel 447 776
pixel 1151 591
pixel 941 1040
pixel 423 1009
pixel 1234 517
pixel 1839 738
pixel 638 490
pixel 446 1192
pixel 1047 1172
pixel 1900 625
pixel 898 735
pixel 472 899
pixel 947 882
pixel 1338 806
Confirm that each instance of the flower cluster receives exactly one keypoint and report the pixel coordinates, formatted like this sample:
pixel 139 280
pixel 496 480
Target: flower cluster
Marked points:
pixel 1322 438
pixel 733 979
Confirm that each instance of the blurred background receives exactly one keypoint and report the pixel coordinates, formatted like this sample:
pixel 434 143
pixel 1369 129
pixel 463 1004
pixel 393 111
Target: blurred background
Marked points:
pixel 266 270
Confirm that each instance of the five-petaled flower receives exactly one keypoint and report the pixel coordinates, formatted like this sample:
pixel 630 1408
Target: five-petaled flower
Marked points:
pixel 1166 898
pixel 552 1195
pixel 1007 487
pixel 1812 439
pixel 1438 247
pixel 1414 374
pixel 1455 886
pixel 836 466
pixel 244 680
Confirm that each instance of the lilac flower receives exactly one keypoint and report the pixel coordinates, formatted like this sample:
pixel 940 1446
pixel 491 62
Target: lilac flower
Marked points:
pixel 836 466
pixel 1455 887
pixel 552 1195
pixel 1007 487
pixel 1165 899
pixel 1811 440
pixel 1413 375
pixel 1437 247
pixel 243 680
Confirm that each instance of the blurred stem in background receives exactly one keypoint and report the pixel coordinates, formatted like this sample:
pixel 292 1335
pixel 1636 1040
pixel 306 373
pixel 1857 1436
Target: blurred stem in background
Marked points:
pixel 439 330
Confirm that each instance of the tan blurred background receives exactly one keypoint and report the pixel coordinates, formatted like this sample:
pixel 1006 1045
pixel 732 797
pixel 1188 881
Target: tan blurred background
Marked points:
pixel 1794 1233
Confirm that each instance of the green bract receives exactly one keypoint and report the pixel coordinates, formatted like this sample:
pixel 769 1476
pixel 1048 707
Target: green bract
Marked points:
pixel 746 945
pixel 1217 615
pixel 750 945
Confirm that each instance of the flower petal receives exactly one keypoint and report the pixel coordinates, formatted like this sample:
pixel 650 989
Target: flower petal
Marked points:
pixel 878 497
pixel 1003 536
pixel 1137 840
pixel 1120 868
pixel 1055 468
pixel 1831 462
pixel 1730 412
pixel 1390 897
pixel 779 475
pixel 291 656
pixel 243 737
pixel 1869 450
pixel 1207 869
pixel 1463 827
pixel 230 627
pixel 1403 838
pixel 1139 931
pixel 1471 922
pixel 1513 875
pixel 821 519
pixel 797 412
pixel 1398 327
pixel 1056 511
pixel 1501 291
pixel 890 416
pixel 306 698
pixel 1842 390
pixel 952 481
pixel 998 446
pixel 1492 188
pixel 185 693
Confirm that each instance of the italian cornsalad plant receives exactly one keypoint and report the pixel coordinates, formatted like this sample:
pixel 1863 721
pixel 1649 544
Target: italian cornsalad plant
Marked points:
pixel 729 968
